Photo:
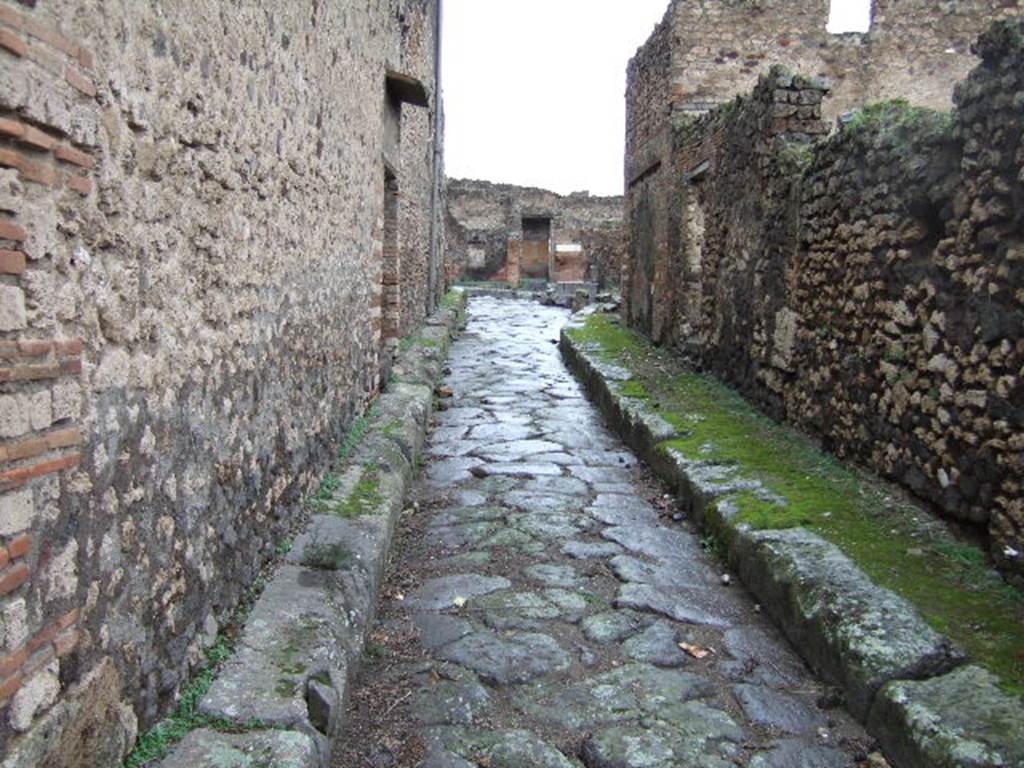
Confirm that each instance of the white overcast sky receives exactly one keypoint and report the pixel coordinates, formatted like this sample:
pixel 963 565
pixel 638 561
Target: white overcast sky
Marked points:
pixel 534 89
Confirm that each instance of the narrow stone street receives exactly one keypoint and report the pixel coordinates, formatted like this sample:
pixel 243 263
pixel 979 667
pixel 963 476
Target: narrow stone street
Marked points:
pixel 544 609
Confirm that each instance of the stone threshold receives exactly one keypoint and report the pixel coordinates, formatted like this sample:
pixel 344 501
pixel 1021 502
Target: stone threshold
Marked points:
pixel 910 686
pixel 555 294
pixel 281 697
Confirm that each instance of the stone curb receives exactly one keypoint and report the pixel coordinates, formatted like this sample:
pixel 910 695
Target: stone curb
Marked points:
pixel 865 639
pixel 287 684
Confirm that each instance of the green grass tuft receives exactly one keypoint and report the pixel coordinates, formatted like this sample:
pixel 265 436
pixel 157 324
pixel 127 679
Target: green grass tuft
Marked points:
pixel 356 434
pixel 158 742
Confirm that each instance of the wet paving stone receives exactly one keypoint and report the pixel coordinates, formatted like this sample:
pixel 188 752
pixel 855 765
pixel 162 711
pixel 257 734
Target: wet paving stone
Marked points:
pixel 441 593
pixel 509 657
pixel 657 645
pixel 582 550
pixel 778 710
pixel 539 595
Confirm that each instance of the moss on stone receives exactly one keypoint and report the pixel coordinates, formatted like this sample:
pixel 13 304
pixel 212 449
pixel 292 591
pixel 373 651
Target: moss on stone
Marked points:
pixel 899 120
pixel 950 582
pixel 633 388
pixel 364 498
pixel 796 156
pixel 327 557
pixel 289 655
pixel 417 341
pixel 285 687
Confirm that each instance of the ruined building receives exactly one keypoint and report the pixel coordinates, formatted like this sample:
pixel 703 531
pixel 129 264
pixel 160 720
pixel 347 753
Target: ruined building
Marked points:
pixel 509 233
pixel 862 282
pixel 215 221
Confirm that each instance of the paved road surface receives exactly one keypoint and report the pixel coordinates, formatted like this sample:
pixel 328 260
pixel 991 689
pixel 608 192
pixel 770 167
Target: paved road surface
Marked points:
pixel 536 605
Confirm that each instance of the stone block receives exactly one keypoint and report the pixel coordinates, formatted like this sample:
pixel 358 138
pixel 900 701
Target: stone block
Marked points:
pixel 17 510
pixel 281 749
pixel 958 720
pixel 41 410
pixel 90 726
pixel 848 629
pixel 307 625
pixel 36 694
pixel 14 415
pixel 12 308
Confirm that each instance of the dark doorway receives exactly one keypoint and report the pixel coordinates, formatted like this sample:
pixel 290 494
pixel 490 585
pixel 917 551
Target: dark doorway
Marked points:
pixel 536 253
pixel 391 271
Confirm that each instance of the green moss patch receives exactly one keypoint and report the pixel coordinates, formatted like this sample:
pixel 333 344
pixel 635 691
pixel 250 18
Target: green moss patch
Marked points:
pixel 327 557
pixel 499 284
pixel 417 341
pixel 634 389
pixel 364 498
pixel 900 121
pixel 900 546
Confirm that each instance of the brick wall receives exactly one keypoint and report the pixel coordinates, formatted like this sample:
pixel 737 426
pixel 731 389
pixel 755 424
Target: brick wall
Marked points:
pixel 864 286
pixel 41 431
pixel 191 284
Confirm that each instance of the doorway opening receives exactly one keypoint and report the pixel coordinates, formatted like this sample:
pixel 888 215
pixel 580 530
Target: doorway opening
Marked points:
pixel 534 260
pixel 391 270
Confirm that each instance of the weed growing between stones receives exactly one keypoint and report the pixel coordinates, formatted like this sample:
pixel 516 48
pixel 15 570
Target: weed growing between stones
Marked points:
pixel 498 284
pixel 355 435
pixel 375 650
pixel 158 741
pixel 319 502
pixel 417 341
pixel 902 548
pixel 899 118
pixel 712 545
pixel 328 486
pixel 283 547
pixel 365 496
pixel 455 301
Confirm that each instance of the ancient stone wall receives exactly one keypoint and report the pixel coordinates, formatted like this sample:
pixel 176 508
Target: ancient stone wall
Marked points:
pixel 866 286
pixel 417 179
pixel 191 239
pixel 491 217
pixel 717 49
pixel 705 52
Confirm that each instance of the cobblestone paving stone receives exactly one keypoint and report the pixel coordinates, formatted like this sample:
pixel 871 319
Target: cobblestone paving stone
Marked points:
pixel 540 591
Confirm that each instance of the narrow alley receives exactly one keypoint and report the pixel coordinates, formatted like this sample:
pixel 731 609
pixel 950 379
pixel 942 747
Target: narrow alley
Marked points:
pixel 545 605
